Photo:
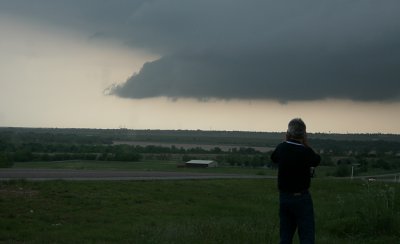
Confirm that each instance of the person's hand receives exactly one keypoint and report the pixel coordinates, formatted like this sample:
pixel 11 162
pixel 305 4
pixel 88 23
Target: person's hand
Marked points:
pixel 305 140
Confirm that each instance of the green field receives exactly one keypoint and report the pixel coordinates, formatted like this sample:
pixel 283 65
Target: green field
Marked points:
pixel 189 211
pixel 322 171
pixel 142 166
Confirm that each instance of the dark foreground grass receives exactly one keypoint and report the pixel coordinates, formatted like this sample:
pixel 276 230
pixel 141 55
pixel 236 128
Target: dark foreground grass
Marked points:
pixel 197 211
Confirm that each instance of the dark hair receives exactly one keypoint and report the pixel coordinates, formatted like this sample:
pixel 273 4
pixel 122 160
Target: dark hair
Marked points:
pixel 296 128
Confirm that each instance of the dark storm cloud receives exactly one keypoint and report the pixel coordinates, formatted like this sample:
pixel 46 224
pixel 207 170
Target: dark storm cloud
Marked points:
pixel 258 49
pixel 94 16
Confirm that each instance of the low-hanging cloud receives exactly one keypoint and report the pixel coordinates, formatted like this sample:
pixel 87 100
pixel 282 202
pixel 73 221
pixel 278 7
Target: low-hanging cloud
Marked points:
pixel 257 49
pixel 283 77
pixel 286 50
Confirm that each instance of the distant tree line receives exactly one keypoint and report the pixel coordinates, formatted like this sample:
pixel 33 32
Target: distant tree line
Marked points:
pixel 343 148
pixel 363 164
pixel 27 152
pixel 30 144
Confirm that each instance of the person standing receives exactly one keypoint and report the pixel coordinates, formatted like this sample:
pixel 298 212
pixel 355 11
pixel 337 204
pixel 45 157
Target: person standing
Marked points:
pixel 296 161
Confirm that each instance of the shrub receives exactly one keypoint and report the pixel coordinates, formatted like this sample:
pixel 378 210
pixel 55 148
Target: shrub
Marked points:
pixel 6 160
pixel 342 171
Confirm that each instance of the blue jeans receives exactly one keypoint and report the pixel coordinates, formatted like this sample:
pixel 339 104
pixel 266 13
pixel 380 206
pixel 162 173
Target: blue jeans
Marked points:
pixel 296 211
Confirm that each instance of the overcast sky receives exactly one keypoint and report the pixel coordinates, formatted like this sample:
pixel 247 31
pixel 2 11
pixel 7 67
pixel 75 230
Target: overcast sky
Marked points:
pixel 210 64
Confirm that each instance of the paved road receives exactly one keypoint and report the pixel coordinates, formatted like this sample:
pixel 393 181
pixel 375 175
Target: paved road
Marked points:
pixel 69 174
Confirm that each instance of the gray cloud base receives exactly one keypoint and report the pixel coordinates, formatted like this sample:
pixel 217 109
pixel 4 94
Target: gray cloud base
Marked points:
pixel 283 77
pixel 269 50
pixel 234 49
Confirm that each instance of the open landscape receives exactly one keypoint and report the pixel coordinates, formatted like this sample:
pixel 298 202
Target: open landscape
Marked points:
pixel 154 121
pixel 78 185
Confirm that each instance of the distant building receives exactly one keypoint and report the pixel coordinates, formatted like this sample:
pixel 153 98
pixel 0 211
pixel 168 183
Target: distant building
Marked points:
pixel 372 153
pixel 201 164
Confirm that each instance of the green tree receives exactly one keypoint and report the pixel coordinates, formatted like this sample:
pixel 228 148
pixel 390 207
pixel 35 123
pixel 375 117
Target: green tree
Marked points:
pixel 342 170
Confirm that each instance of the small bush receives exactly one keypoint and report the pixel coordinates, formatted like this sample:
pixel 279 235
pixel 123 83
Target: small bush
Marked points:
pixel 6 160
pixel 342 171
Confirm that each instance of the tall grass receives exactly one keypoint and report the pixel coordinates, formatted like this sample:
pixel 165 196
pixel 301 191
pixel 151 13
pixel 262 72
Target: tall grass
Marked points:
pixel 360 210
pixel 189 211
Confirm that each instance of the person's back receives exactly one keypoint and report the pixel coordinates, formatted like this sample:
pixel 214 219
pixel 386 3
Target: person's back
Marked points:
pixel 295 160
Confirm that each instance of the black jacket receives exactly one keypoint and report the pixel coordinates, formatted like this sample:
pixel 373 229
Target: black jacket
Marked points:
pixel 294 161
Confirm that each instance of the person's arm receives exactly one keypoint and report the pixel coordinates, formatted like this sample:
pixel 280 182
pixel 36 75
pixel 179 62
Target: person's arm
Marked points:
pixel 273 157
pixel 305 140
pixel 317 160
pixel 314 159
pixel 287 138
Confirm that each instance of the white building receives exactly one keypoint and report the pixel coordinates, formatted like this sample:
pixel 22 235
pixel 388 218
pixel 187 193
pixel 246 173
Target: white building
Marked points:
pixel 201 164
